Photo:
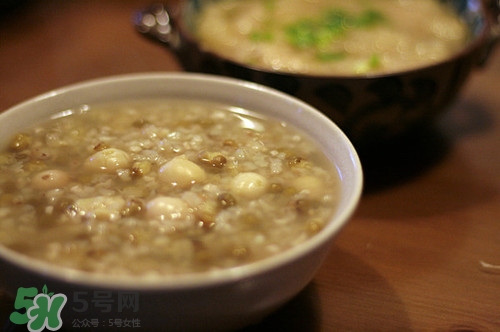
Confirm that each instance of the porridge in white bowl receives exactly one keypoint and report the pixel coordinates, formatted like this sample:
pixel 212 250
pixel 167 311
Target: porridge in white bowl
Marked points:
pixel 162 187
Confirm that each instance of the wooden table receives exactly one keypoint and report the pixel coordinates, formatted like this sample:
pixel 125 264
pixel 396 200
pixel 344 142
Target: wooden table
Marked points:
pixel 419 253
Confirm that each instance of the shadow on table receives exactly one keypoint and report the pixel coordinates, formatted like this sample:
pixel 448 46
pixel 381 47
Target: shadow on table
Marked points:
pixel 402 159
pixel 357 297
pixel 396 161
pixel 301 314
pixel 346 295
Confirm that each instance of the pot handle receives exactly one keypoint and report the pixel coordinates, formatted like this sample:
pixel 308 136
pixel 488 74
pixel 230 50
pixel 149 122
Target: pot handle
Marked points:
pixel 157 24
pixel 492 8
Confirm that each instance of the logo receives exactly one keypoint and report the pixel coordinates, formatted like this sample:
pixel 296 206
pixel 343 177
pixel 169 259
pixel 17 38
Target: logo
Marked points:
pixel 42 310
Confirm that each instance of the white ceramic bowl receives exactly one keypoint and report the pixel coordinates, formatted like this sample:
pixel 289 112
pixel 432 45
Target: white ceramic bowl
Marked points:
pixel 225 300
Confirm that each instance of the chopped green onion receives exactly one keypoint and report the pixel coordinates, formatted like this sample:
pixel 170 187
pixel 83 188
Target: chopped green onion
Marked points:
pixel 368 65
pixel 317 34
pixel 369 18
pixel 331 56
pixel 321 32
pixel 261 36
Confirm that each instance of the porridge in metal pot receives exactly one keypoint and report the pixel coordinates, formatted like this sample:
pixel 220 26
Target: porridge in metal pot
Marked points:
pixel 332 37
pixel 162 187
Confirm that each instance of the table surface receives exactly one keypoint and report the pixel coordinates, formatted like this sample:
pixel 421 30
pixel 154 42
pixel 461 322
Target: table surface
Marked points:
pixel 422 251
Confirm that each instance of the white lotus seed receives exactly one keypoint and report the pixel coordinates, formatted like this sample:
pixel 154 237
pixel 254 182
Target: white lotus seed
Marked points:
pixel 310 185
pixel 181 172
pixel 249 185
pixel 168 208
pixel 108 160
pixel 50 179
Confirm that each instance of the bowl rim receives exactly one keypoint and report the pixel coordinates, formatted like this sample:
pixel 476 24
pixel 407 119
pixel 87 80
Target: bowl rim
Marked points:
pixel 203 279
pixel 473 46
